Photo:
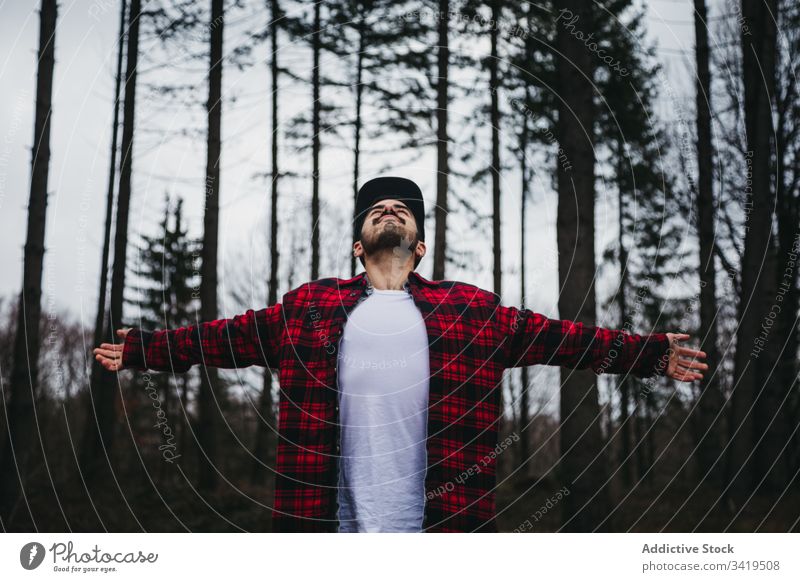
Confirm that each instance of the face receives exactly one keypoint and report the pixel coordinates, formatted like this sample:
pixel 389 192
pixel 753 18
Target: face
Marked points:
pixel 389 225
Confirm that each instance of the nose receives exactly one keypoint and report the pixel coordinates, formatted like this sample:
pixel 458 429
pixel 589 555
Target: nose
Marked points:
pixel 390 212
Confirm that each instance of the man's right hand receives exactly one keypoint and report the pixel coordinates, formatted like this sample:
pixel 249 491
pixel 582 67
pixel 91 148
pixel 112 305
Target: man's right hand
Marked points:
pixel 110 355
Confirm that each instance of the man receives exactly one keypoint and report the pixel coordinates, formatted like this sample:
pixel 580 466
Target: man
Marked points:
pixel 390 383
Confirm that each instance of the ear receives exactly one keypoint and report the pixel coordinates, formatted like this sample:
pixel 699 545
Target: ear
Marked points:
pixel 421 249
pixel 358 249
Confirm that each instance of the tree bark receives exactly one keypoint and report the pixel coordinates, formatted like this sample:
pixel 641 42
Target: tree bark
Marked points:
pixel 442 159
pixel 758 45
pixel 708 409
pixel 357 132
pixel 316 112
pixel 27 342
pixel 99 431
pixel 100 317
pixel 266 421
pixel 495 121
pixel 210 397
pixel 788 239
pixel 583 467
pixel 524 376
pixel 626 464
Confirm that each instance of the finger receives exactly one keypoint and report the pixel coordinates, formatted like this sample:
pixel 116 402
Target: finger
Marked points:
pixel 105 362
pixel 693 364
pixel 115 347
pixel 111 354
pixel 103 359
pixel 121 333
pixel 111 367
pixel 109 358
pixel 690 352
pixel 686 375
pixel 691 373
pixel 690 376
pixel 681 337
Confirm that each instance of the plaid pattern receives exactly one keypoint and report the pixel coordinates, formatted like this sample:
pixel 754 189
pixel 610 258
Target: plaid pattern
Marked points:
pixel 472 339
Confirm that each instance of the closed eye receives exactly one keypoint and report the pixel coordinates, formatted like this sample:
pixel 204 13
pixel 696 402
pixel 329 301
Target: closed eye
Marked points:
pixel 398 209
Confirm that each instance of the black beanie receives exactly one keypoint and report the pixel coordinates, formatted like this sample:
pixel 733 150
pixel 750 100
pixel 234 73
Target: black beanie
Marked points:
pixel 382 188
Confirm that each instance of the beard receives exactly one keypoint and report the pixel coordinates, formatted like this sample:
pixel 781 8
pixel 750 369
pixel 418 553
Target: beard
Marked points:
pixel 391 238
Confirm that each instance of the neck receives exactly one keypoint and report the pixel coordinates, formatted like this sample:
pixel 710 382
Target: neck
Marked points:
pixel 387 275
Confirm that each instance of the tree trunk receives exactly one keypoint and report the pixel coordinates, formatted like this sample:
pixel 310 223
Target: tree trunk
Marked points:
pixel 442 160
pixel 588 505
pixel 708 410
pixel 769 418
pixel 209 405
pixel 788 249
pixel 315 144
pixel 100 317
pixel 626 465
pixel 357 131
pixel 758 45
pixel 266 421
pixel 495 121
pixel 99 430
pixel 524 376
pixel 640 404
pixel 25 367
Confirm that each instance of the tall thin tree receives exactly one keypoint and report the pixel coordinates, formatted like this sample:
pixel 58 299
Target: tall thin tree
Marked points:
pixel 442 156
pixel 758 39
pixel 358 121
pixel 27 343
pixel 582 463
pixel 524 138
pixel 316 124
pixel 266 422
pixel 495 123
pixel 209 378
pixel 99 430
pixel 709 406
pixel 100 316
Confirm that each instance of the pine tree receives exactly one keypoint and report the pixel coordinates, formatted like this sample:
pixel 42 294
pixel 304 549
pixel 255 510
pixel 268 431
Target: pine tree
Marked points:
pixel 648 241
pixel 167 273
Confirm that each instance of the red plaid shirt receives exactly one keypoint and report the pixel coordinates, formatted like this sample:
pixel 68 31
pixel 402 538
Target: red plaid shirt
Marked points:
pixel 472 339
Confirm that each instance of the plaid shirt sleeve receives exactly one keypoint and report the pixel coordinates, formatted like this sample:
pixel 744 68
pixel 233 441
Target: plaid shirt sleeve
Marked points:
pixel 252 338
pixel 531 338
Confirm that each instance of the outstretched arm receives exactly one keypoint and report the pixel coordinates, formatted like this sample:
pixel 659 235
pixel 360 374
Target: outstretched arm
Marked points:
pixel 252 338
pixel 531 338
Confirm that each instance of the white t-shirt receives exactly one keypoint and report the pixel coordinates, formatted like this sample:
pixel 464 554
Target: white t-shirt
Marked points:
pixel 383 372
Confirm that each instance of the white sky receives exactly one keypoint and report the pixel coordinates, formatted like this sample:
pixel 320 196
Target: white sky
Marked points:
pixel 85 61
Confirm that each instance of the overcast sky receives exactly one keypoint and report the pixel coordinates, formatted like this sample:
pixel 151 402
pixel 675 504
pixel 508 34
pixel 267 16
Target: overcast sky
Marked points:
pixel 82 110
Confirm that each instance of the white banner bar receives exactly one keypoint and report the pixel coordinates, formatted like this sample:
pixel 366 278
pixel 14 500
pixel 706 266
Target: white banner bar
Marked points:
pixel 422 557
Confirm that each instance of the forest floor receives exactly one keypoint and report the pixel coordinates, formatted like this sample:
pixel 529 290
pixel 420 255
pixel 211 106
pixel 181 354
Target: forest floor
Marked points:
pixel 679 507
pixel 137 505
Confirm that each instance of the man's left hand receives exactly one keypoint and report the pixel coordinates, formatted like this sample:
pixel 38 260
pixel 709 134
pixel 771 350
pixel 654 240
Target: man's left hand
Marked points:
pixel 684 364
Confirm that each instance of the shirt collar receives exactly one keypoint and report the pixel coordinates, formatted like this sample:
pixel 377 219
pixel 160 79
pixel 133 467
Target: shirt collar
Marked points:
pixel 368 288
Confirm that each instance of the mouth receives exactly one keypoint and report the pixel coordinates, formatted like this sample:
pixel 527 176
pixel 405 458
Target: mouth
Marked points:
pixel 388 217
